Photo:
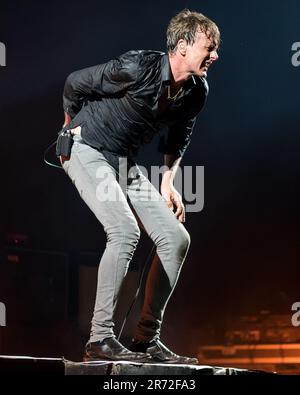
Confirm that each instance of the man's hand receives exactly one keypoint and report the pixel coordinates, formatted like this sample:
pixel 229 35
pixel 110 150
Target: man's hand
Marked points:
pixel 173 198
pixel 62 159
pixel 168 192
pixel 67 119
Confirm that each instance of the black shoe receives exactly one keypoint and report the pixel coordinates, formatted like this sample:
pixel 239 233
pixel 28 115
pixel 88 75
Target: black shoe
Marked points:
pixel 111 349
pixel 160 353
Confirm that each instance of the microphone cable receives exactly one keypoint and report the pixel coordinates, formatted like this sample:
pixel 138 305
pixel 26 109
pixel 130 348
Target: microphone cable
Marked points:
pixel 148 259
pixel 46 153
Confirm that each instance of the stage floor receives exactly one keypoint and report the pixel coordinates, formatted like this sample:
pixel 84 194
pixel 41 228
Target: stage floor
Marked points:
pixel 60 366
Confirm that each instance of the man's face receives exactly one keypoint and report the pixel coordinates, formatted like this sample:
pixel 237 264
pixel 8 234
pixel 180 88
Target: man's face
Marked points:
pixel 201 55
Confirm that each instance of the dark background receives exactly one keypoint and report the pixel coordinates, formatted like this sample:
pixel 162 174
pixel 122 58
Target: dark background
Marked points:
pixel 245 243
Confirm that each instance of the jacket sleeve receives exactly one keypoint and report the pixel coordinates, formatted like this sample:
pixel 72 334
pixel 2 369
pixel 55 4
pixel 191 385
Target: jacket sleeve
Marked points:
pixel 179 137
pixel 180 133
pixel 110 78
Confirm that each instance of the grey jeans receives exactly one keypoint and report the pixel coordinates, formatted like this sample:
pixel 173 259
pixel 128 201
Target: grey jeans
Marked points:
pixel 97 183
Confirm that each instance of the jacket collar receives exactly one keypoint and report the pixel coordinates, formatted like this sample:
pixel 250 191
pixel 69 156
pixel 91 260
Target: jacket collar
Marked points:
pixel 166 70
pixel 166 73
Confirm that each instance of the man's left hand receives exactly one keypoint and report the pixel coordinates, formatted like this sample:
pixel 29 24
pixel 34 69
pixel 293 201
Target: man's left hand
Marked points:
pixel 173 199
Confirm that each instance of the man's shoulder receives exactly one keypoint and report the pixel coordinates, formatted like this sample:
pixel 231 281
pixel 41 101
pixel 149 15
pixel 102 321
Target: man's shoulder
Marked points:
pixel 143 56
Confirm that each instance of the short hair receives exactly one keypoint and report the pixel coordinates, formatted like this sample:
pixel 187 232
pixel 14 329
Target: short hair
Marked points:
pixel 185 26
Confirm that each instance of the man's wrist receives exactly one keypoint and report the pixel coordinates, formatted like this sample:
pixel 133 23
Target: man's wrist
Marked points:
pixel 167 178
pixel 67 119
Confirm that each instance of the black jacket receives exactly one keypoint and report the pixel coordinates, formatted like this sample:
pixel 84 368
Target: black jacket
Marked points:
pixel 117 104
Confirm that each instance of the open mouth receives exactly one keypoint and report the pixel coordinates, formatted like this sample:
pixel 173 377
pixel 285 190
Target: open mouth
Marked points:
pixel 205 65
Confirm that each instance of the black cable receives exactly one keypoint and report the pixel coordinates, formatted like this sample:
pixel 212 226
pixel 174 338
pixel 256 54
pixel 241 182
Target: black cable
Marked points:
pixel 46 152
pixel 148 259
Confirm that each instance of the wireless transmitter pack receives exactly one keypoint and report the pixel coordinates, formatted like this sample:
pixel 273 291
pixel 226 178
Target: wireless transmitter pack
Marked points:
pixel 64 143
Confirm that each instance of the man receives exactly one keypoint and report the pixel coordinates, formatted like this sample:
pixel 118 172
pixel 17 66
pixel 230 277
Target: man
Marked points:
pixel 112 109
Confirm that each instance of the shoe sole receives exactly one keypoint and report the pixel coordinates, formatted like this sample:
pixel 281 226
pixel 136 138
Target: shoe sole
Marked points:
pixel 94 359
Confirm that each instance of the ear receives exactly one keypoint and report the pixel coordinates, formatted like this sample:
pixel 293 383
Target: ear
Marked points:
pixel 181 45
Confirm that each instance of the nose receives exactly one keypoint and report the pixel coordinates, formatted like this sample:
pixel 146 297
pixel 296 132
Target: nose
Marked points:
pixel 214 56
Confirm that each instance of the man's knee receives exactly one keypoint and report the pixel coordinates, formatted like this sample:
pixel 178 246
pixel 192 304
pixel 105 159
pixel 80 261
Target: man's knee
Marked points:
pixel 183 238
pixel 177 239
pixel 133 233
pixel 128 232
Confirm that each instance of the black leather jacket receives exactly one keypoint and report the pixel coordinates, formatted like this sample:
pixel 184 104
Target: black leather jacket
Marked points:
pixel 117 104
